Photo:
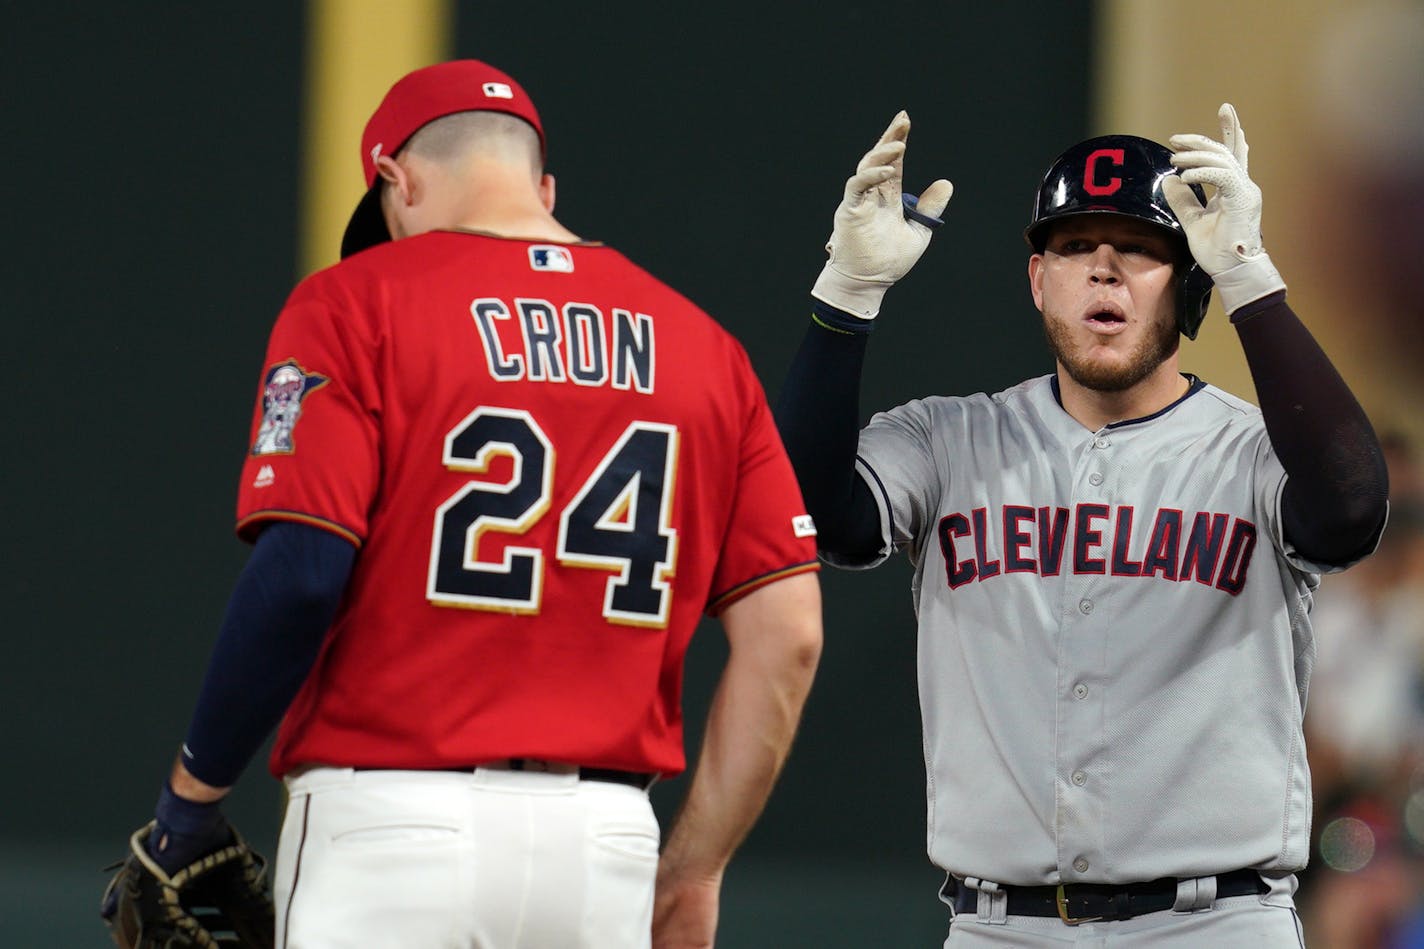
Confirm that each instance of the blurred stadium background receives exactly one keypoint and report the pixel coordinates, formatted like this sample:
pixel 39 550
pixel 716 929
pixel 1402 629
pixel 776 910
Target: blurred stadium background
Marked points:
pixel 175 169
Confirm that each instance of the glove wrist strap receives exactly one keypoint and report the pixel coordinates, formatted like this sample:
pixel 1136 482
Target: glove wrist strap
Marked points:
pixel 1247 282
pixel 860 298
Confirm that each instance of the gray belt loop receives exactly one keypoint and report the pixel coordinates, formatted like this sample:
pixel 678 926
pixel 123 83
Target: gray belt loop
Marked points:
pixel 1195 894
pixel 993 905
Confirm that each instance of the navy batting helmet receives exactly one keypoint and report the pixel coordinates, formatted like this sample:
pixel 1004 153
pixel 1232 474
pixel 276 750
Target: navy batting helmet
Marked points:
pixel 1121 174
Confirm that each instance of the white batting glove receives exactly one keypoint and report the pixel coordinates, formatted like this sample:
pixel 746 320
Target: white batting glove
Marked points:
pixel 872 244
pixel 1225 233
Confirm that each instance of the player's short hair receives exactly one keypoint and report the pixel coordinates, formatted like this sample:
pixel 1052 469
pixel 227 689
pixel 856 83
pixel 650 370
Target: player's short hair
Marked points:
pixel 493 133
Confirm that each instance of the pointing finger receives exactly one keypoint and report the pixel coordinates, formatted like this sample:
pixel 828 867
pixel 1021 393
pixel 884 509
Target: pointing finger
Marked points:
pixel 1231 134
pixel 898 130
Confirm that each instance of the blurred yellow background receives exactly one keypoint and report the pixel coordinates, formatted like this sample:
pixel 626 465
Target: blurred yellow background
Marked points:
pixel 1331 98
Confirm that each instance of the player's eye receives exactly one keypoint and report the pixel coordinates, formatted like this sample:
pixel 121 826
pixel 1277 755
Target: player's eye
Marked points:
pixel 1148 251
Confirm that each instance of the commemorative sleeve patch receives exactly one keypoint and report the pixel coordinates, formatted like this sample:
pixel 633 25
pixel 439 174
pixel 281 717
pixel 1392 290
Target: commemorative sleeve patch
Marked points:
pixel 287 384
pixel 803 526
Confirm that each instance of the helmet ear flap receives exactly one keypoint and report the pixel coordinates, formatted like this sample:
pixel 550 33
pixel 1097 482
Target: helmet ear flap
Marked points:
pixel 1193 295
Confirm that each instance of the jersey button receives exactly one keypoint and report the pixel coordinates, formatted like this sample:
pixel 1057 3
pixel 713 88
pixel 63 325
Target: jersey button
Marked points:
pixel 1080 865
pixel 1079 778
pixel 1080 691
pixel 1095 478
pixel 1085 606
pixel 1101 443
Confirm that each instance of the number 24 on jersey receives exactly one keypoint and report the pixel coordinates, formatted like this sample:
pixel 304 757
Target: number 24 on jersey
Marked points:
pixel 620 520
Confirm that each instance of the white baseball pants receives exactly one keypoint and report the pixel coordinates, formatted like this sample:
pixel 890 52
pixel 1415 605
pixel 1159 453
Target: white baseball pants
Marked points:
pixel 483 859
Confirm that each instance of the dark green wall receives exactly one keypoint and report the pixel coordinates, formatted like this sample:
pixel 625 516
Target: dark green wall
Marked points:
pixel 151 239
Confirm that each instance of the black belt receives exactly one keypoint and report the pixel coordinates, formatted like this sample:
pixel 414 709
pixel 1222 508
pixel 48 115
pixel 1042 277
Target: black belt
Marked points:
pixel 637 779
pixel 1076 903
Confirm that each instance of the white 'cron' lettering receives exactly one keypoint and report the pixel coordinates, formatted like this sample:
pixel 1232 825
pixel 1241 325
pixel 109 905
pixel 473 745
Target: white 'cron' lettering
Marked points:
pixel 537 341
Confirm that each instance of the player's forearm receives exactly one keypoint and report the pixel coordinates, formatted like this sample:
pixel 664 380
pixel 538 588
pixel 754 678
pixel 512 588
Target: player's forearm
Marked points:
pixel 190 788
pixel 276 619
pixel 818 415
pixel 1335 496
pixel 775 636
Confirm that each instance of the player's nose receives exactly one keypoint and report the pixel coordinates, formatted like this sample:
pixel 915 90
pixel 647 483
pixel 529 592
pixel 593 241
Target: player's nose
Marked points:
pixel 1102 264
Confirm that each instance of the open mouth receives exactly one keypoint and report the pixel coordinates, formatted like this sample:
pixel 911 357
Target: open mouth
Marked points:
pixel 1106 317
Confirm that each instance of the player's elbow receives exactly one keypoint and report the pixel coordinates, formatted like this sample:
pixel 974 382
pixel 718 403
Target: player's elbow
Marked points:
pixel 802 642
pixel 779 626
pixel 1341 538
pixel 795 637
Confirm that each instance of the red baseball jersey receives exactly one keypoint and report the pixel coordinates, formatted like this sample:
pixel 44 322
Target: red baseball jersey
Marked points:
pixel 553 465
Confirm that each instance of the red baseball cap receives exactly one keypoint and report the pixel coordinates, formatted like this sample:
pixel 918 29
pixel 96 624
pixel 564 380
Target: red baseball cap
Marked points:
pixel 462 85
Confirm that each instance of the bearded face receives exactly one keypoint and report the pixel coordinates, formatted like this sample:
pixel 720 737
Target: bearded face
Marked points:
pixel 1106 286
pixel 1159 341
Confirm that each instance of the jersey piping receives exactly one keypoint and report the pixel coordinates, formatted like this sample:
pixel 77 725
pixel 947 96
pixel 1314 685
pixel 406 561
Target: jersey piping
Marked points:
pixel 258 517
pixel 721 602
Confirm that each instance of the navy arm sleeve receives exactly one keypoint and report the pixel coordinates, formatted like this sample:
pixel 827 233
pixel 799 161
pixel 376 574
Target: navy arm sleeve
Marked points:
pixel 818 416
pixel 1334 500
pixel 276 620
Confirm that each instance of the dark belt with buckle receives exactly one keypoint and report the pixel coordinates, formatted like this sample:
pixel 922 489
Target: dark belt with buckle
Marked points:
pixel 1076 903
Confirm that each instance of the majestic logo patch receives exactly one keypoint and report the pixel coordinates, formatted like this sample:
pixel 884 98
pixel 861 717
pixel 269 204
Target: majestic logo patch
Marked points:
pixel 265 477
pixel 803 526
pixel 551 257
pixel 282 394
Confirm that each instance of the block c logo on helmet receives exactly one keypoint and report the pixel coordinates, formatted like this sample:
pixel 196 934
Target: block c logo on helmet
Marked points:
pixel 1090 171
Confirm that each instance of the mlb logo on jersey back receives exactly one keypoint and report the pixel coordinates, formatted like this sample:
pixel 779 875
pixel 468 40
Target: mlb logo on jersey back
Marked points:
pixel 551 257
pixel 803 526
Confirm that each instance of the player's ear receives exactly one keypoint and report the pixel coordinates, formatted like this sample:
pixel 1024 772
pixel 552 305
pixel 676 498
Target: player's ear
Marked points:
pixel 397 179
pixel 1035 280
pixel 546 192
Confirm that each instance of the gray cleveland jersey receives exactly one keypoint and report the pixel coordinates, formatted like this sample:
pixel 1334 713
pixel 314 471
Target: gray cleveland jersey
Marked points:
pixel 1114 641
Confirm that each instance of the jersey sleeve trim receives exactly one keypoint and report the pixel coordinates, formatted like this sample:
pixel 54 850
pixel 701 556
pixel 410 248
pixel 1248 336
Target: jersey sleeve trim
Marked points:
pixel 721 602
pixel 247 526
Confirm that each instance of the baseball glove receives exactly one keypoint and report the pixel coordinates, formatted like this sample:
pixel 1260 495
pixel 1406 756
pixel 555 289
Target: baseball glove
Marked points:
pixel 219 901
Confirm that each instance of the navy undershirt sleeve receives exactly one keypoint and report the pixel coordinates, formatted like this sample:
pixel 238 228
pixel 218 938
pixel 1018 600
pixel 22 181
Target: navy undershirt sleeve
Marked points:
pixel 1334 501
pixel 276 620
pixel 818 415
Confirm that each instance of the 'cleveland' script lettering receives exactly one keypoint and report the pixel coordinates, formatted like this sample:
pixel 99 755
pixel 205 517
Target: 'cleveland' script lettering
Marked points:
pixel 1211 549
